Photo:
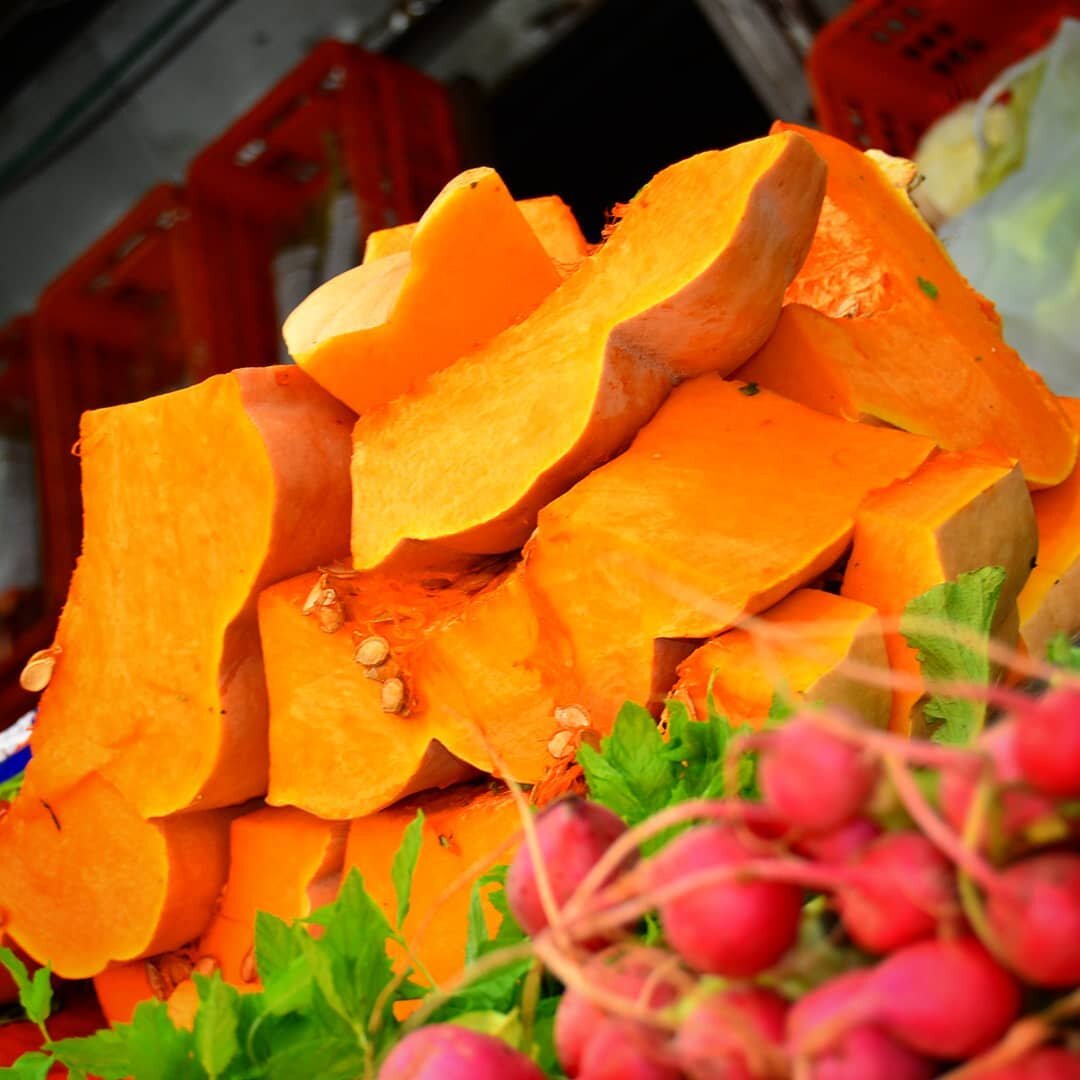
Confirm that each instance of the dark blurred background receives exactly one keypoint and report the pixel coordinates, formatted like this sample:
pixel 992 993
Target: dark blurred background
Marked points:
pixel 175 176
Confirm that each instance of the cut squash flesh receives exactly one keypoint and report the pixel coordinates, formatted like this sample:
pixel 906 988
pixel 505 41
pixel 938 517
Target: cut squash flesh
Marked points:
pixel 194 501
pixel 549 218
pixel 726 502
pixel 472 268
pixel 283 862
pixel 801 649
pixel 689 281
pixel 120 988
pixel 910 342
pixel 960 512
pixel 1050 601
pixel 80 895
pixel 463 831
pixel 462 649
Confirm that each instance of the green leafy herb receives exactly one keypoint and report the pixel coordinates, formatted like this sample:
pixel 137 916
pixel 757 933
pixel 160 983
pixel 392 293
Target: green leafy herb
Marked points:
pixel 404 864
pixel 35 991
pixel 949 626
pixel 637 772
pixel 1062 652
pixel 750 389
pixel 10 787
pixel 928 287
pixel 32 1066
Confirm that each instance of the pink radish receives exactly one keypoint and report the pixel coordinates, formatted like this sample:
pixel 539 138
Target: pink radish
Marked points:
pixel 1046 1063
pixel 1019 805
pixel 857 1049
pixel 632 972
pixel 623 1050
pixel 572 835
pixel 1048 743
pixel 945 999
pixel 449 1052
pixel 732 928
pixel 901 891
pixel 839 845
pixel 814 779
pixel 723 1036
pixel 1034 916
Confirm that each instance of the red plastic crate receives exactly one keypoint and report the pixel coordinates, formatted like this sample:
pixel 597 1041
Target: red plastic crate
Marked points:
pixel 342 119
pixel 883 71
pixel 108 330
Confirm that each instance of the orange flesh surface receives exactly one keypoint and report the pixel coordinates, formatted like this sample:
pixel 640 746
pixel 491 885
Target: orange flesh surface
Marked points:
pixel 159 684
pixel 548 216
pixel 960 512
pixel 467 647
pixel 819 633
pixel 463 830
pixel 726 502
pixel 1050 601
pixel 926 357
pixel 690 280
pixel 472 268
pixel 82 895
pixel 121 988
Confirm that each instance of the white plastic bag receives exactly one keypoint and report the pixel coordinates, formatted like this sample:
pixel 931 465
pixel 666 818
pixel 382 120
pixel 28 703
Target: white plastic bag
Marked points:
pixel 1020 244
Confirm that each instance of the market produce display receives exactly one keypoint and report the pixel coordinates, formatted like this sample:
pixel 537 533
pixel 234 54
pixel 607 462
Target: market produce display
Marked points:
pixel 587 661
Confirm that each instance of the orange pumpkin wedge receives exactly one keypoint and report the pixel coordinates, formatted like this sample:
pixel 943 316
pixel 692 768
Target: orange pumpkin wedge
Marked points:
pixel 87 881
pixel 689 281
pixel 121 987
pixel 891 330
pixel 421 678
pixel 817 636
pixel 472 268
pixel 728 500
pixel 281 861
pixel 194 501
pixel 549 217
pixel 1050 601
pixel 463 831
pixel 958 513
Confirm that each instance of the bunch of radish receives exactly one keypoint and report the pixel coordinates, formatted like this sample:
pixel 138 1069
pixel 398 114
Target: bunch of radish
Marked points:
pixel 948 880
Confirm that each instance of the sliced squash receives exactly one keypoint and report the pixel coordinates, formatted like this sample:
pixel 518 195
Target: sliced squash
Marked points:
pixel 959 512
pixel 897 334
pixel 464 829
pixel 281 861
pixel 689 281
pixel 802 649
pixel 472 268
pixel 194 501
pixel 728 500
pixel 87 881
pixel 1050 601
pixel 120 988
pixel 549 217
pixel 420 678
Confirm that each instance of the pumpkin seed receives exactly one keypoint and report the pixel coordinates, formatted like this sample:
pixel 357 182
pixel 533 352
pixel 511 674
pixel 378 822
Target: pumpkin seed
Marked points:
pixel 315 596
pixel 205 965
pixel 248 971
pixel 372 651
pixel 561 744
pixel 38 671
pixel 331 617
pixel 393 696
pixel 572 717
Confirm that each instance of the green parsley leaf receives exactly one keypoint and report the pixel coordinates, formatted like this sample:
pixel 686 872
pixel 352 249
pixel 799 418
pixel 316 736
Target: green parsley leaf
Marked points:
pixel 401 870
pixel 630 773
pixel 928 287
pixel 35 993
pixel 31 1066
pixel 750 389
pixel 216 1024
pixel 11 787
pixel 929 625
pixel 1062 652
pixel 277 945
pixel 155 1049
pixel 104 1054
